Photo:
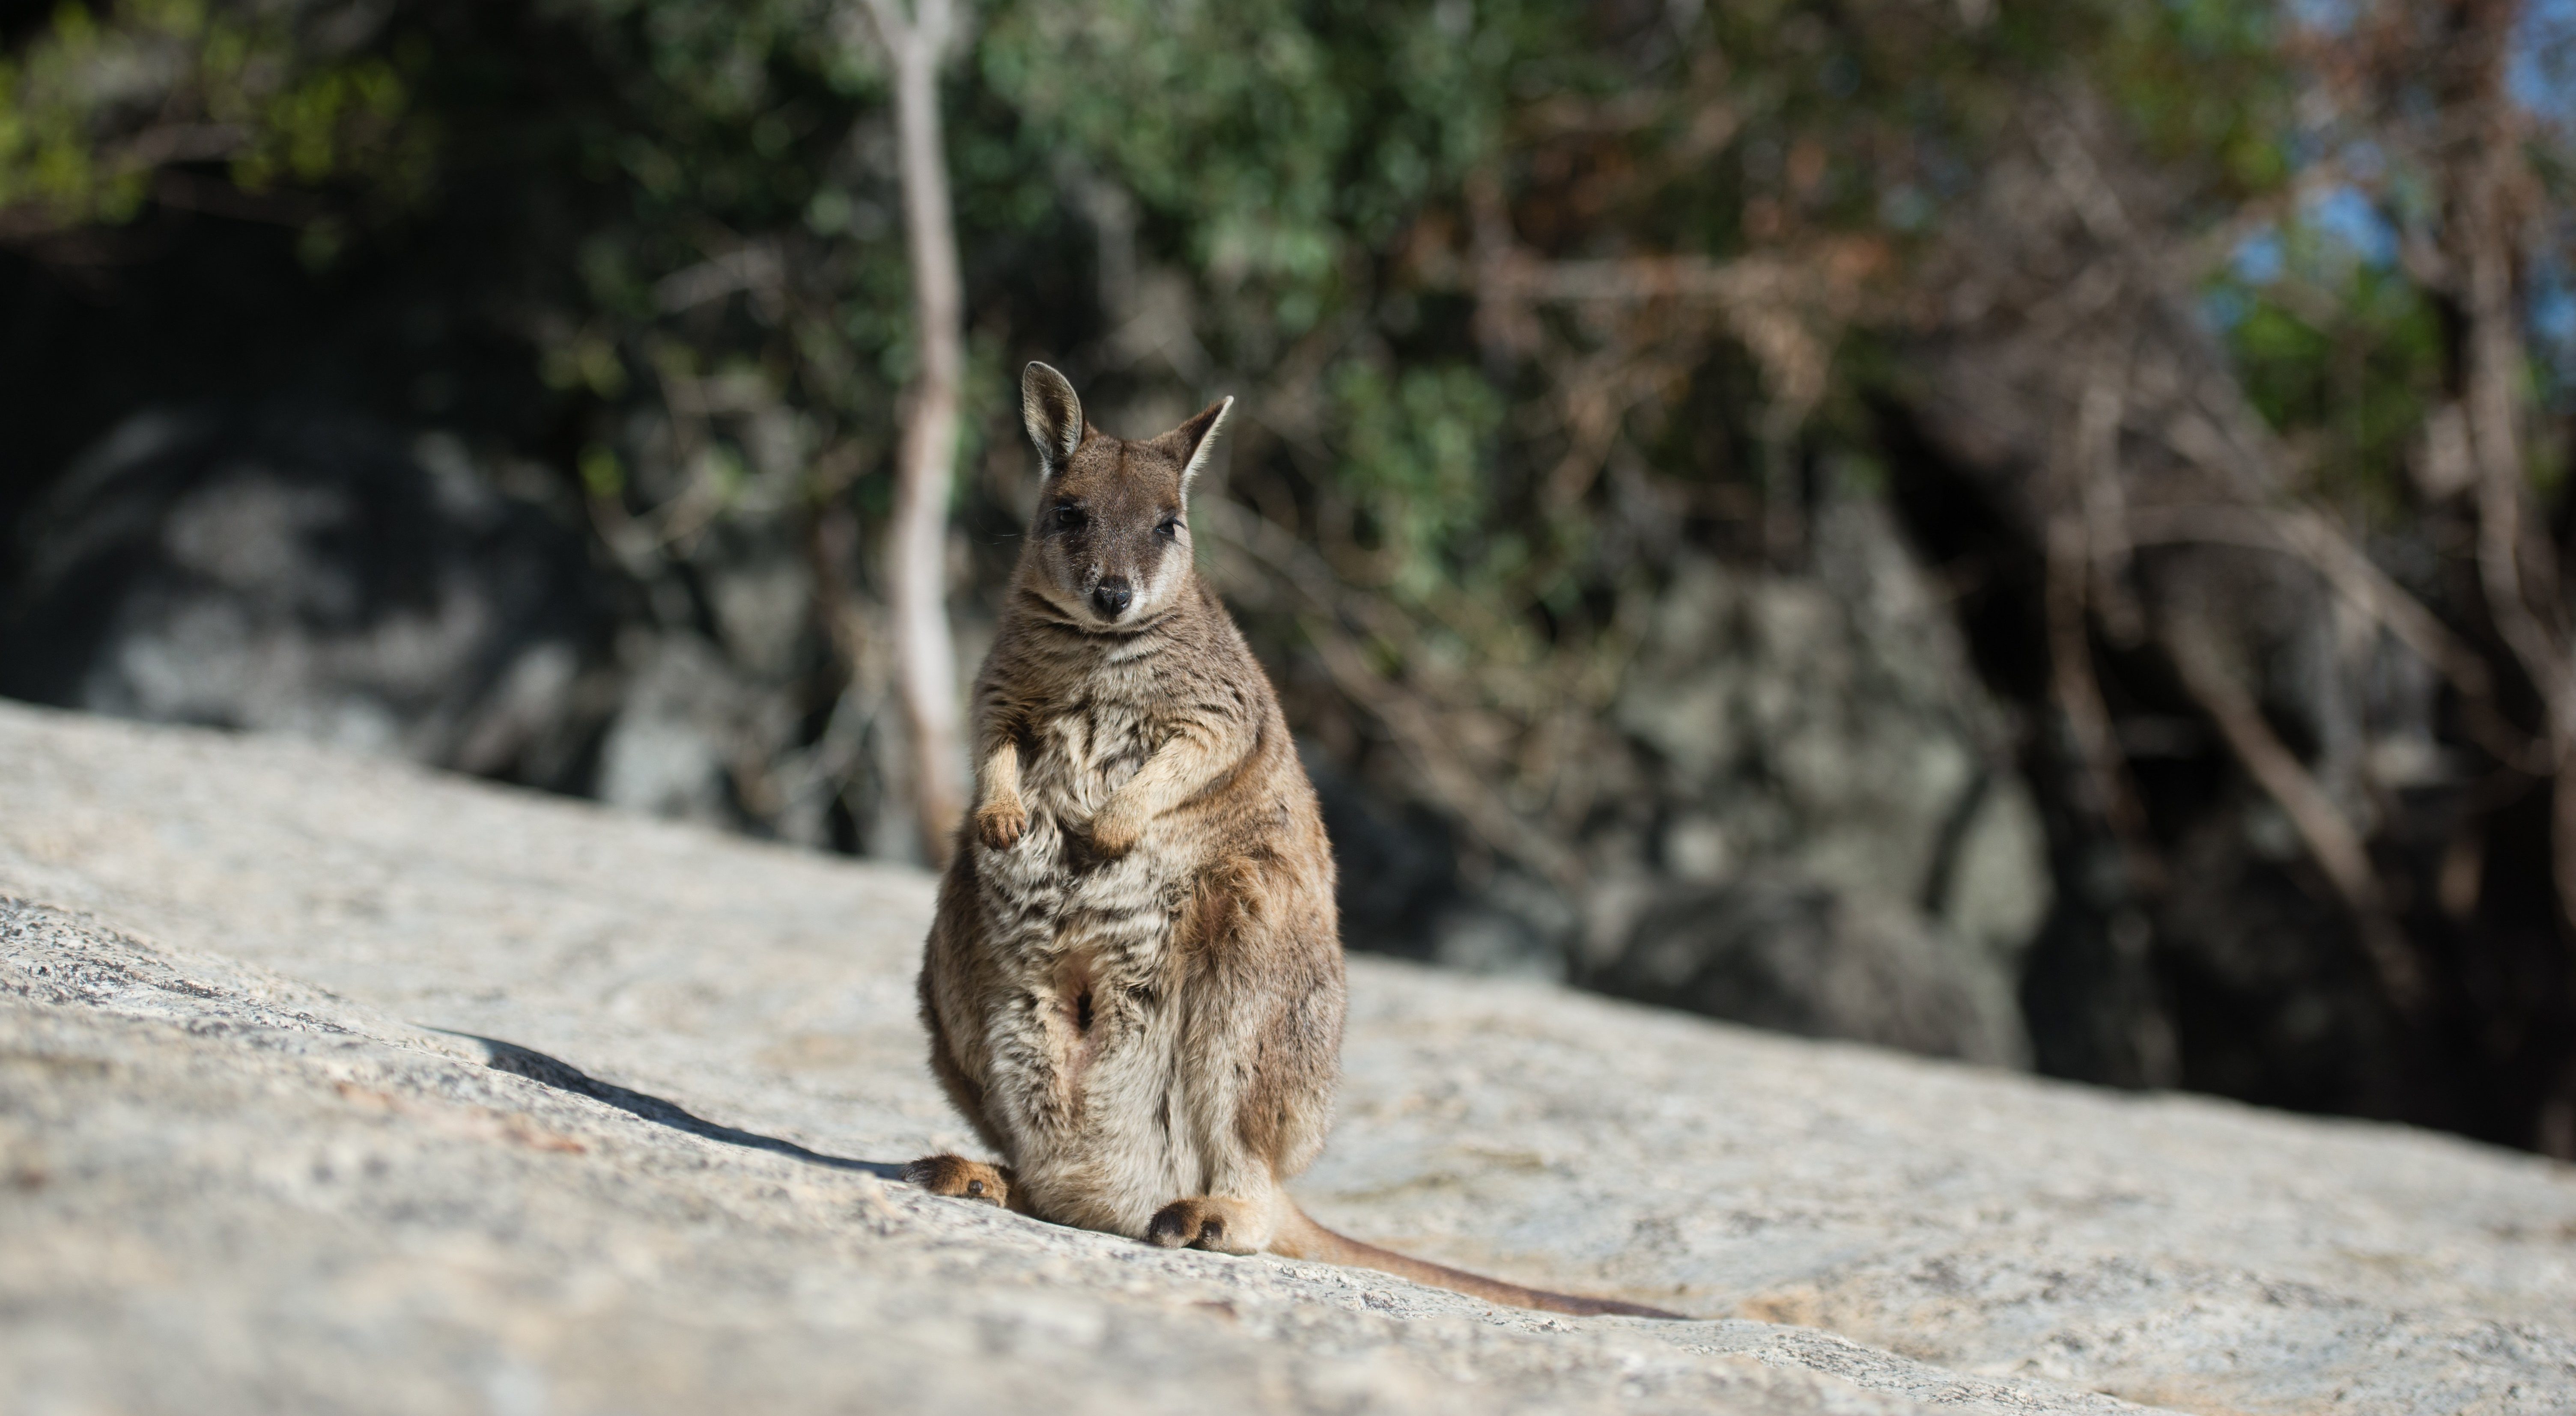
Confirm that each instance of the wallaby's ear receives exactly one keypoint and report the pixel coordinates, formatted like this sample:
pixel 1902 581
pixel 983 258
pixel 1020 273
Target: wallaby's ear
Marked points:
pixel 1195 439
pixel 1053 415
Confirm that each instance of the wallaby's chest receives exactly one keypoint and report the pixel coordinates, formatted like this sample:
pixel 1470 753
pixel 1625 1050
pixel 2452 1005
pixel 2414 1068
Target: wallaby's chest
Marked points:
pixel 1052 902
pixel 1076 757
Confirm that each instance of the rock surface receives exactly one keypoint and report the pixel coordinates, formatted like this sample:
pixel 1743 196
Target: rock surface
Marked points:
pixel 287 569
pixel 1828 770
pixel 642 1167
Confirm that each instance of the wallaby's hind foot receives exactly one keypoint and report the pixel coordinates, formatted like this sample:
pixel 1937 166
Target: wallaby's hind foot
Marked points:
pixel 959 1178
pixel 1211 1222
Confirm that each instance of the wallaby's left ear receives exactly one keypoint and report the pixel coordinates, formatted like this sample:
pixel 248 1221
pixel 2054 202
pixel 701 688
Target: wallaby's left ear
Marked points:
pixel 1195 439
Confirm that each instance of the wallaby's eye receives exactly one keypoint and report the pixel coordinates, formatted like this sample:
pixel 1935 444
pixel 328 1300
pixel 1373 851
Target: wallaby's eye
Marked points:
pixel 1170 529
pixel 1069 517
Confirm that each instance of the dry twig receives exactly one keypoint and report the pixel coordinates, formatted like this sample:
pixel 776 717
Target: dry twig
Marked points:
pixel 2331 840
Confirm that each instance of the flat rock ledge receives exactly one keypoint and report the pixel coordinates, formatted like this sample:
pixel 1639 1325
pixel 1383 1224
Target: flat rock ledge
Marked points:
pixel 329 1084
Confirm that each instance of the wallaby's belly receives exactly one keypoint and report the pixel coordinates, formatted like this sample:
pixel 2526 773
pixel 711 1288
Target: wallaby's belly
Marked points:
pixel 1093 1023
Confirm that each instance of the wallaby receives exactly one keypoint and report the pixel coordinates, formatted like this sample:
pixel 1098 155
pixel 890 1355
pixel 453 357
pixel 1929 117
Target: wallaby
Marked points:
pixel 1133 985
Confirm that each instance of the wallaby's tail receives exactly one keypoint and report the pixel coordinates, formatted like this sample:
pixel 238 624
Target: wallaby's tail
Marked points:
pixel 1300 1237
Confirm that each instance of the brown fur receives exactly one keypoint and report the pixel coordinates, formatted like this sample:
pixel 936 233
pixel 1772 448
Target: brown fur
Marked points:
pixel 1133 986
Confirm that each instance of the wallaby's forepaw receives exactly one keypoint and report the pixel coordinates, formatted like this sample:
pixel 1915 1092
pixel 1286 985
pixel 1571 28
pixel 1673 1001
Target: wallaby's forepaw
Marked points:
pixel 960 1178
pixel 998 823
pixel 1208 1222
pixel 1116 829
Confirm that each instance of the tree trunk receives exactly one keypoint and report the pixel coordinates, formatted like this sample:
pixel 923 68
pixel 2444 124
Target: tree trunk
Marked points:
pixel 2483 172
pixel 917 547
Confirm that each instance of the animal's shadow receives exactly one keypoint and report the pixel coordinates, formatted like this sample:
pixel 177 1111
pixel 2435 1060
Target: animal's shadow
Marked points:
pixel 563 1076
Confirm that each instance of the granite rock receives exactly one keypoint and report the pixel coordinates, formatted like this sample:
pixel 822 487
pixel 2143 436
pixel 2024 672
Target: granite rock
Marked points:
pixel 1821 735
pixel 329 1082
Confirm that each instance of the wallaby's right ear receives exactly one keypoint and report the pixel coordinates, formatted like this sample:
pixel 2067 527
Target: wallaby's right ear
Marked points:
pixel 1053 415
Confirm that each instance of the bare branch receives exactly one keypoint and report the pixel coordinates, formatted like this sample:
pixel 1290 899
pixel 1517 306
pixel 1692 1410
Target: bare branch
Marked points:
pixel 1429 735
pixel 2485 173
pixel 2097 467
pixel 2331 841
pixel 2079 697
pixel 2310 538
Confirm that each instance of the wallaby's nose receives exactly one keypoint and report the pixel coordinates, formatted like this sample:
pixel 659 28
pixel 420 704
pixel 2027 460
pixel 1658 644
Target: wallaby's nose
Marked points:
pixel 1110 597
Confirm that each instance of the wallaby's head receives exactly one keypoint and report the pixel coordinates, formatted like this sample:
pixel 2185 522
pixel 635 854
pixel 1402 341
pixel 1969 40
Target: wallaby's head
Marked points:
pixel 1111 542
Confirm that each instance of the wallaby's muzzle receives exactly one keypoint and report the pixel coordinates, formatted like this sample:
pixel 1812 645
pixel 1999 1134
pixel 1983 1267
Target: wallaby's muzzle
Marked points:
pixel 1111 596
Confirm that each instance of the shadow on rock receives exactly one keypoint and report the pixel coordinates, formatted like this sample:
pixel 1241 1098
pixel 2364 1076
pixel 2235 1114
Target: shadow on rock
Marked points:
pixel 563 1076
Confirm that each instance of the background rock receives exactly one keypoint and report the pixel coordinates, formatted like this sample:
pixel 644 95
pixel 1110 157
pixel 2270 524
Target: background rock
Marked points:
pixel 1796 957
pixel 289 570
pixel 285 570
pixel 238 1183
pixel 1842 847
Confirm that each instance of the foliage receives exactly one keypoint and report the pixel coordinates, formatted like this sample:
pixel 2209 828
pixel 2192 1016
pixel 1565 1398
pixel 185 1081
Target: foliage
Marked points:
pixel 93 108
pixel 693 214
pixel 2339 352
pixel 1306 168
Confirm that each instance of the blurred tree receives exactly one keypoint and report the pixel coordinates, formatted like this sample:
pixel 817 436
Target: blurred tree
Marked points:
pixel 103 112
pixel 918 47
